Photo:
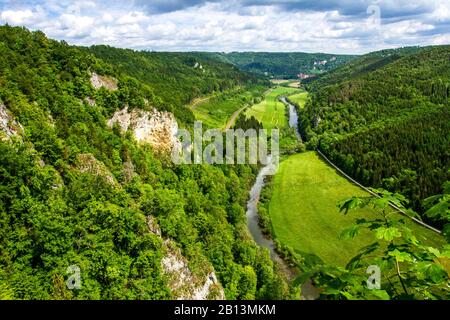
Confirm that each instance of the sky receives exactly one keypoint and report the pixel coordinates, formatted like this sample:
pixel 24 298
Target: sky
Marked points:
pixel 332 26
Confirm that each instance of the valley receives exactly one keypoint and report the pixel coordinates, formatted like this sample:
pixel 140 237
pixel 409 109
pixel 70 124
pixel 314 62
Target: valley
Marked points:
pixel 88 182
pixel 271 112
pixel 305 192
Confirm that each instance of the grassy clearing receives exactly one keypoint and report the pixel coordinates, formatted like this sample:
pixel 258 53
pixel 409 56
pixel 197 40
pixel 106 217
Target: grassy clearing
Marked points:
pixel 299 99
pixel 293 83
pixel 279 81
pixel 215 112
pixel 304 213
pixel 271 112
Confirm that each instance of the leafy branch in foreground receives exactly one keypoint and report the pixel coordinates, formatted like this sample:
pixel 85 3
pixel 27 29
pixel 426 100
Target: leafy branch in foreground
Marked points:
pixel 410 268
pixel 439 208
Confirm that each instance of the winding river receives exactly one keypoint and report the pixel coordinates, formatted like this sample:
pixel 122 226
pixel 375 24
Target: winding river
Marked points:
pixel 308 291
pixel 293 116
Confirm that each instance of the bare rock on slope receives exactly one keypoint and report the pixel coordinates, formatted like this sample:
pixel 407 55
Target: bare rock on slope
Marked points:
pixel 8 126
pixel 183 284
pixel 157 128
pixel 99 81
pixel 87 163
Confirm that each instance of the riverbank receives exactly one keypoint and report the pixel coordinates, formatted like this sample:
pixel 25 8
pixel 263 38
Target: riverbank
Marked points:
pixel 262 237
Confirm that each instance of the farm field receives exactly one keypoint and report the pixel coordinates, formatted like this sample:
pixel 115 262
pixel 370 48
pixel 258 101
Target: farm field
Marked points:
pixel 216 111
pixel 271 112
pixel 304 212
pixel 299 99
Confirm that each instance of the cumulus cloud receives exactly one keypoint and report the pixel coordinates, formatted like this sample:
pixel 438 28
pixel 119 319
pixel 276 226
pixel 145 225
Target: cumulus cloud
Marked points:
pixel 344 26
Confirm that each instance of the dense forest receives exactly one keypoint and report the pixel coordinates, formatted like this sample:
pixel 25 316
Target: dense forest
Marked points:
pixel 283 65
pixel 385 119
pixel 77 192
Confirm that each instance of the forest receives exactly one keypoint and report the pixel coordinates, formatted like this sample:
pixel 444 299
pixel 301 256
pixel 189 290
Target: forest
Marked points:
pixel 281 65
pixel 55 213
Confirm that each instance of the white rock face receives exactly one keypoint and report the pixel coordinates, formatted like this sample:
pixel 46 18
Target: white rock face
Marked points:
pixel 99 81
pixel 182 283
pixel 8 126
pixel 157 128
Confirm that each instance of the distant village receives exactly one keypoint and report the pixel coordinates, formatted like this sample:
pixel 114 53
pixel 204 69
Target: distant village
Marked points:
pixel 318 63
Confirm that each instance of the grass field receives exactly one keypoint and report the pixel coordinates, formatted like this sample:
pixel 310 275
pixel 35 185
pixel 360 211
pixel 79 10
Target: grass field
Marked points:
pixel 270 111
pixel 293 83
pixel 215 112
pixel 279 81
pixel 304 213
pixel 299 99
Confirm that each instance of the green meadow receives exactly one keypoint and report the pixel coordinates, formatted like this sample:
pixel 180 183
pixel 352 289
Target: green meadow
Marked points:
pixel 215 112
pixel 271 112
pixel 299 99
pixel 304 212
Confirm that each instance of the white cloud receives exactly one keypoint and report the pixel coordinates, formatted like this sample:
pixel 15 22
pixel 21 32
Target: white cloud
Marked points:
pixel 229 26
pixel 17 17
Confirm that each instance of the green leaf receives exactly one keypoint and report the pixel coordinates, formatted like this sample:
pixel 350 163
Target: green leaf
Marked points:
pixel 350 204
pixel 446 186
pixel 348 296
pixel 381 203
pixel 382 294
pixel 401 256
pixel 350 233
pixel 434 251
pixel 431 271
pixel 446 232
pixel 441 210
pixel 387 234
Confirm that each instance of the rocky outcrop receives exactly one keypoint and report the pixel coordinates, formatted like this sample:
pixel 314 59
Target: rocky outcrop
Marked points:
pixel 183 284
pixel 87 163
pixel 90 101
pixel 106 82
pixel 157 128
pixel 8 126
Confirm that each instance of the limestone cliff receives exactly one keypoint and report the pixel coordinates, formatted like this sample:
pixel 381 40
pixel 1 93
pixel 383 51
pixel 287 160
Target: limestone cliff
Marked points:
pixel 157 128
pixel 183 284
pixel 99 81
pixel 8 126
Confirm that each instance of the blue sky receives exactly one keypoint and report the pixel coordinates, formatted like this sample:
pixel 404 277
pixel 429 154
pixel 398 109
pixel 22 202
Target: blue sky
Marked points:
pixel 335 26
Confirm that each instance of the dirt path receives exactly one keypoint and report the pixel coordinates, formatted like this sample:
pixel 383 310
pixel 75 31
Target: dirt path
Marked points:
pixel 233 118
pixel 198 101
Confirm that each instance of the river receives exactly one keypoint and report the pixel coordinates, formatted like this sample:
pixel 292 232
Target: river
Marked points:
pixel 308 290
pixel 293 116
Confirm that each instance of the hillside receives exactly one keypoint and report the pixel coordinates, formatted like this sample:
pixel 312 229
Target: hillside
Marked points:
pixel 384 118
pixel 86 186
pixel 362 65
pixel 177 77
pixel 285 65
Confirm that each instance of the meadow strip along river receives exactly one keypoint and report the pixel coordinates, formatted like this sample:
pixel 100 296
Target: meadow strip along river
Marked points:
pixel 308 291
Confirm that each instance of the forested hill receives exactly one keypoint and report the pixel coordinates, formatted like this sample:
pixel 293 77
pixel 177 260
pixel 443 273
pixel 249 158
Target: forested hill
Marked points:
pixel 178 78
pixel 79 194
pixel 385 119
pixel 283 65
pixel 362 65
